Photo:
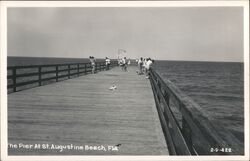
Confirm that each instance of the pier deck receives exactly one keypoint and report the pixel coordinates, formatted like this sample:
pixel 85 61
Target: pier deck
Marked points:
pixel 83 111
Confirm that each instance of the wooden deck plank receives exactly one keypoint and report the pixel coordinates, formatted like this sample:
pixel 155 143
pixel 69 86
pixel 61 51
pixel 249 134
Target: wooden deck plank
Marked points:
pixel 83 111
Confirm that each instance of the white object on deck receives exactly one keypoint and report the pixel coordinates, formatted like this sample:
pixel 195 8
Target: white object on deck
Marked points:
pixel 112 87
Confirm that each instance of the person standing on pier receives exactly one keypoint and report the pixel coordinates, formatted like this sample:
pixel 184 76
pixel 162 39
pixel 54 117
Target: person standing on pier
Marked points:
pixel 144 65
pixel 92 61
pixel 147 66
pixel 140 63
pixel 124 64
pixel 107 62
pixel 120 62
pixel 129 62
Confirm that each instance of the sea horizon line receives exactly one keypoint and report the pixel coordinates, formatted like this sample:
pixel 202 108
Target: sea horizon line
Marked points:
pixel 174 60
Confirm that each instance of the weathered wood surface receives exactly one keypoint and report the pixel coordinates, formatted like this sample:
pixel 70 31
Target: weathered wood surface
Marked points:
pixel 83 111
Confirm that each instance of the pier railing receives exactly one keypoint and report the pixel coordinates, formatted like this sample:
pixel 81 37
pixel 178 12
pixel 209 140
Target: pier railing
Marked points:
pixel 187 130
pixel 23 77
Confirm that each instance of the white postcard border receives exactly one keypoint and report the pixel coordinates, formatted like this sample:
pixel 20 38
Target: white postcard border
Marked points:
pixel 3 49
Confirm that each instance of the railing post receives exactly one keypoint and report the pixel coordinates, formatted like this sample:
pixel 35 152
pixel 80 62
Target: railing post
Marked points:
pixel 85 68
pixel 57 73
pixel 159 84
pixel 40 75
pixel 187 134
pixel 166 96
pixel 69 71
pixel 14 79
pixel 78 70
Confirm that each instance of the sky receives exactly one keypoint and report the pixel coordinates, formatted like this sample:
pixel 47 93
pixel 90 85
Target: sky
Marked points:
pixel 162 33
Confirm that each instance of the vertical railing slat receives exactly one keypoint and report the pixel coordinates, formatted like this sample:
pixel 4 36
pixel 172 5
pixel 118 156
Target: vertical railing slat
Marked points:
pixel 187 134
pixel 40 75
pixel 69 71
pixel 78 70
pixel 14 79
pixel 85 68
pixel 56 73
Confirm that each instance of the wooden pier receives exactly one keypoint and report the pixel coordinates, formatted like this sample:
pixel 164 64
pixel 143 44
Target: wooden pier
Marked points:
pixel 73 112
pixel 84 112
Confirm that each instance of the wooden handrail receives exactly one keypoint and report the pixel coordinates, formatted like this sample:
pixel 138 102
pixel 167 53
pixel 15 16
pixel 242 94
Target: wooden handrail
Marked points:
pixel 194 134
pixel 72 69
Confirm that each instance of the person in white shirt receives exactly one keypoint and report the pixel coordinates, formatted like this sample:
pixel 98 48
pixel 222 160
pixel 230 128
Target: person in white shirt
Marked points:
pixel 124 64
pixel 92 61
pixel 129 62
pixel 144 65
pixel 147 67
pixel 107 63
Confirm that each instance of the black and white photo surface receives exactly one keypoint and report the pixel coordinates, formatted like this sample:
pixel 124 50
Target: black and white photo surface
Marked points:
pixel 137 81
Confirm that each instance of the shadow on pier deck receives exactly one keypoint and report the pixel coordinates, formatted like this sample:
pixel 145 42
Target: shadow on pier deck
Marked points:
pixel 83 111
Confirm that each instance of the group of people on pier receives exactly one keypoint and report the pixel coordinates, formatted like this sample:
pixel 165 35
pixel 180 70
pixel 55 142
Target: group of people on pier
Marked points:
pixel 144 65
pixel 124 63
pixel 93 63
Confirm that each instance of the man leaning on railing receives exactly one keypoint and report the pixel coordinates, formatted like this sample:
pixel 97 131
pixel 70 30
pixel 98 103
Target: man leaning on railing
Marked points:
pixel 149 62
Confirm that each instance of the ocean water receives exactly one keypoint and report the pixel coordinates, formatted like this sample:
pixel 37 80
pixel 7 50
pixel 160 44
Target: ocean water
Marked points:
pixel 12 61
pixel 218 87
